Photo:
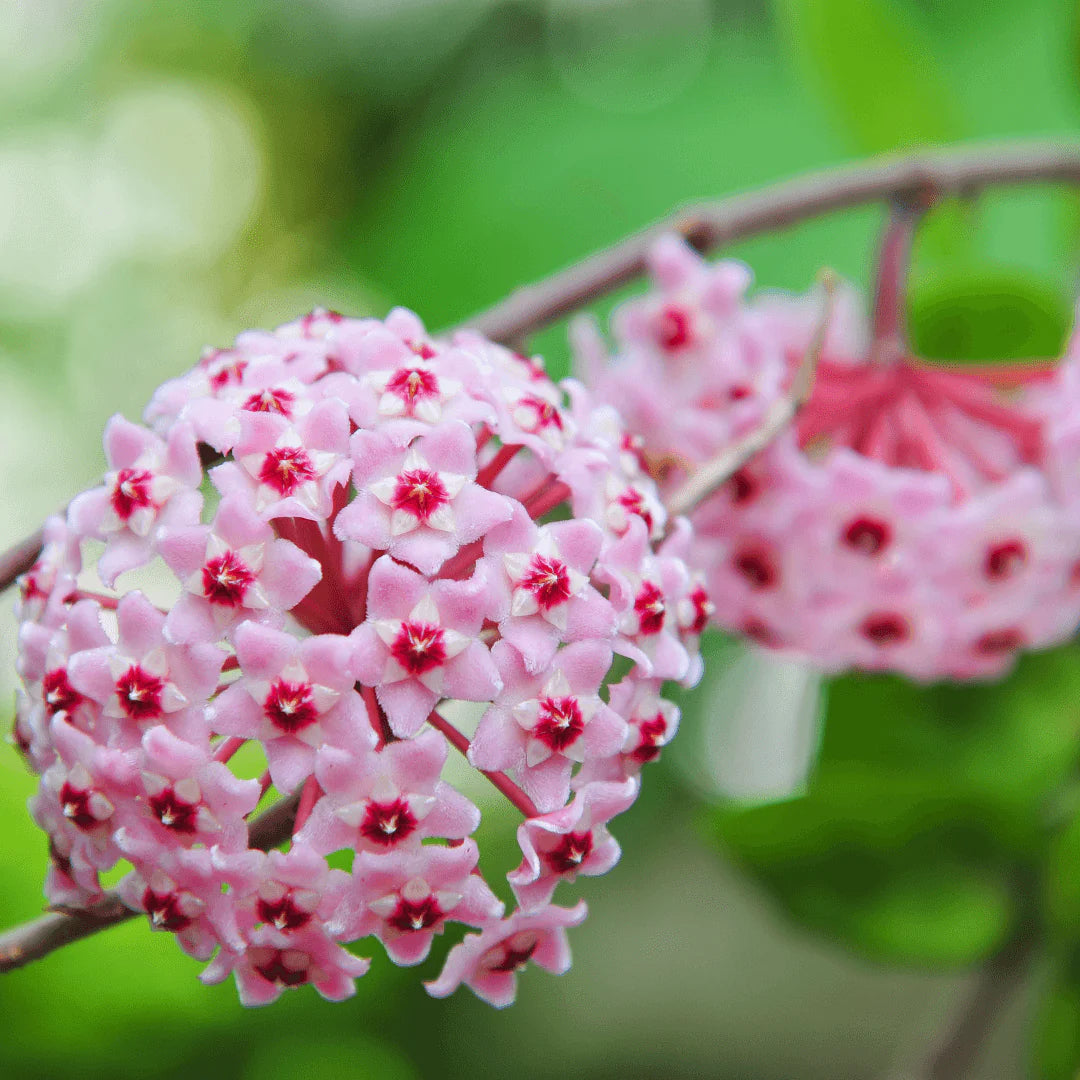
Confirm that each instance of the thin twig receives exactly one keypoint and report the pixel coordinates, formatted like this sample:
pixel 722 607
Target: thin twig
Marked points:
pixel 958 1047
pixel 710 476
pixel 23 944
pixel 914 180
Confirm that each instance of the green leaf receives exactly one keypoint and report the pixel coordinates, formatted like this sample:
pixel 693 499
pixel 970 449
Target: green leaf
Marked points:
pixel 989 314
pixel 893 867
pixel 876 68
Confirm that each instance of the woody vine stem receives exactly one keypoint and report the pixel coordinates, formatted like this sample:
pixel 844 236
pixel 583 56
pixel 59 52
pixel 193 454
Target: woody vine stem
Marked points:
pixel 909 185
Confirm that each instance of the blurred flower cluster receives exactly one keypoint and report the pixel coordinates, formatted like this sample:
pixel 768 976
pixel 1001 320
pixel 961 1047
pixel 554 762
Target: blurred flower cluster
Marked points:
pixel 918 518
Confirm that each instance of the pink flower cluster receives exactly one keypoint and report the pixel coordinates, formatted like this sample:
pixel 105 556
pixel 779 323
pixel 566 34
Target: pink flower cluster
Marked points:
pixel 920 518
pixel 322 541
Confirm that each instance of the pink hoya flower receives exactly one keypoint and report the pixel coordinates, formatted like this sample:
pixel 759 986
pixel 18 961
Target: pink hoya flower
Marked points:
pixel 351 528
pixel 919 518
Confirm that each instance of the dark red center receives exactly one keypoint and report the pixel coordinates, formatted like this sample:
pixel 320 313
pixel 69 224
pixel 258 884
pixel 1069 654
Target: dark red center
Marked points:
pixel 509 958
pixel 290 707
pixel 885 628
pixel 650 608
pixel 633 502
pixel 76 807
pixel 275 971
pixel 559 722
pixel 420 492
pixel 756 565
pixel 412 915
pixel 285 469
pixel 571 851
pixel 272 400
pixel 1005 559
pixel 674 328
pixel 387 824
pixel 174 813
pixel 743 487
pixel 546 415
pixel 652 733
pixel 283 913
pixel 139 693
pixel 164 911
pixel 548 581
pixel 226 579
pixel 419 647
pixel 409 384
pixel 702 607
pixel 867 535
pixel 130 492
pixel 57 692
pixel 996 642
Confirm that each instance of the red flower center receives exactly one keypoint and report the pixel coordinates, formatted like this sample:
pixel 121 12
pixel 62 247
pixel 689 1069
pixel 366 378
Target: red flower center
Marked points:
pixel 511 955
pixel 633 502
pixel 996 642
pixel 422 349
pixel 885 629
pixel 130 492
pixel 650 608
pixel 387 824
pixel 757 566
pixel 559 722
pixel 226 579
pixel 272 399
pixel 164 911
pixel 227 372
pixel 411 384
pixel 419 647
pixel 290 707
pixel 702 607
pixel 545 414
pixel 412 915
pixel 652 732
pixel 743 487
pixel 548 581
pixel 1005 559
pixel 285 469
pixel 139 693
pixel 571 851
pixel 674 328
pixel 76 807
pixel 867 535
pixel 420 492
pixel 174 813
pixel 58 693
pixel 274 970
pixel 283 913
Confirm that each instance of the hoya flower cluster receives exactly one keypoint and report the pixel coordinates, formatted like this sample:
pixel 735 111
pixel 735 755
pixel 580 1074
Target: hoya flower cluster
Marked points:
pixel 919 518
pixel 323 541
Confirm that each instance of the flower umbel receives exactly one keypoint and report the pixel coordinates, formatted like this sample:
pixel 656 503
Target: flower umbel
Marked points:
pixel 919 517
pixel 399 524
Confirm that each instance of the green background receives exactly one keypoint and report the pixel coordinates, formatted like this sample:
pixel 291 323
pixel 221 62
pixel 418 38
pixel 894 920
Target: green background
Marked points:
pixel 174 172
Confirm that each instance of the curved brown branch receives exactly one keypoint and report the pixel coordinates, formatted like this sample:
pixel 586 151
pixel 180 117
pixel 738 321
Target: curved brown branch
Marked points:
pixel 23 944
pixel 915 180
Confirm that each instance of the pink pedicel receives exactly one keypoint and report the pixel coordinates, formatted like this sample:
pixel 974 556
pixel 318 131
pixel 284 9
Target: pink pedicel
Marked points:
pixel 327 544
pixel 918 518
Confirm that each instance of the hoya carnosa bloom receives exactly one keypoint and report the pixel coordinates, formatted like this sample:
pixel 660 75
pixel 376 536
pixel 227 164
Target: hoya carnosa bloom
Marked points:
pixel 321 540
pixel 918 518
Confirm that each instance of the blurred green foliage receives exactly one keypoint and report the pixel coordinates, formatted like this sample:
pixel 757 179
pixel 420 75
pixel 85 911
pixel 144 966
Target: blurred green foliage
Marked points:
pixel 173 172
